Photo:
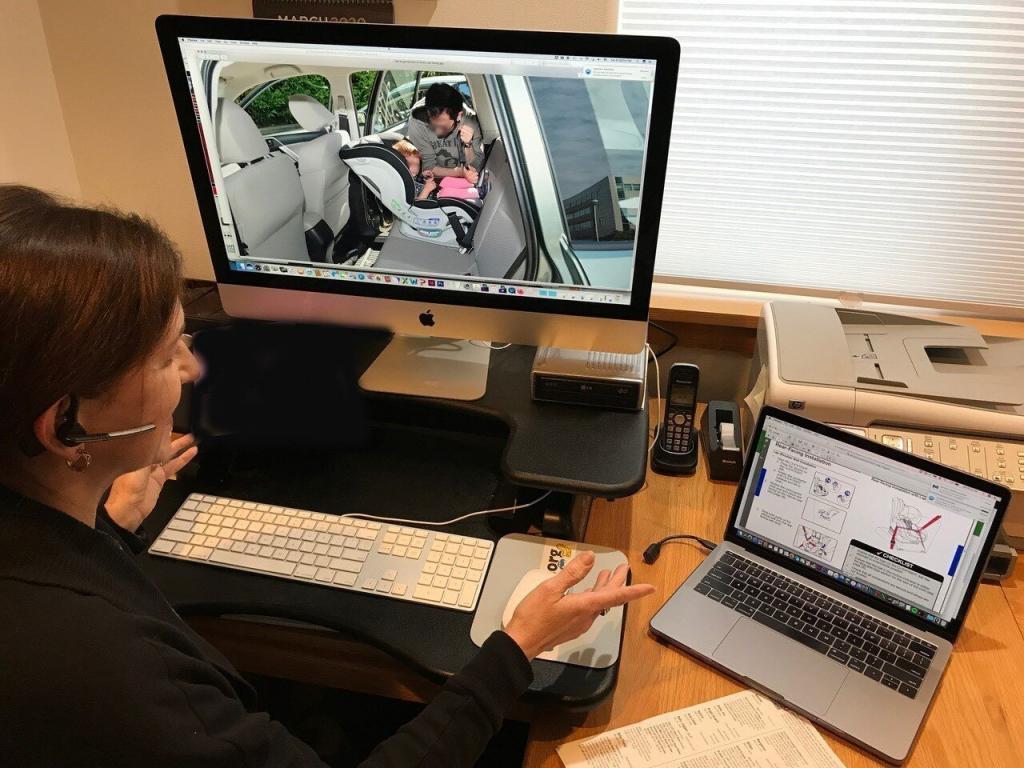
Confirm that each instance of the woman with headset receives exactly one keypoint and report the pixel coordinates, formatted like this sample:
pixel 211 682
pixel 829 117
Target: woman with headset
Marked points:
pixel 96 669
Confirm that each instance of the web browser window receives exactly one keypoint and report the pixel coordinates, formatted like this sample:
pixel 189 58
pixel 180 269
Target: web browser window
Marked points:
pixel 903 535
pixel 532 188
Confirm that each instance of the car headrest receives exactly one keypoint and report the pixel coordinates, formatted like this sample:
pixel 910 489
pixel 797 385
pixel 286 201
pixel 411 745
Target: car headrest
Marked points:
pixel 238 138
pixel 310 113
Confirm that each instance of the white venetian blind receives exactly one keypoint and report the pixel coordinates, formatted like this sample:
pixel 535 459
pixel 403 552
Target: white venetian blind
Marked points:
pixel 866 146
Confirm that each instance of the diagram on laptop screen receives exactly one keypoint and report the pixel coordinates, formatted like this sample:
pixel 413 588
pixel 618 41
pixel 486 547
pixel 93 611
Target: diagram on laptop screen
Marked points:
pixel 833 489
pixel 814 543
pixel 824 515
pixel 908 530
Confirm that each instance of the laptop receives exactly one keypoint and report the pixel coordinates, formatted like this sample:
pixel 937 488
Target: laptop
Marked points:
pixel 843 581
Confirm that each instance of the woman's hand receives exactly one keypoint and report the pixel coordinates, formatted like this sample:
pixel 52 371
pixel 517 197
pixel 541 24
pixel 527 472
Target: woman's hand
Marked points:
pixel 547 616
pixel 471 174
pixel 466 134
pixel 133 496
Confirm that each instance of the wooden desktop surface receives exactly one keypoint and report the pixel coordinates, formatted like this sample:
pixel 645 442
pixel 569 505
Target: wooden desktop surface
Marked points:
pixel 977 718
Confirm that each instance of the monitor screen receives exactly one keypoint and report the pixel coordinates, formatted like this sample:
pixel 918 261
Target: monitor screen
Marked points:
pixel 906 536
pixel 460 171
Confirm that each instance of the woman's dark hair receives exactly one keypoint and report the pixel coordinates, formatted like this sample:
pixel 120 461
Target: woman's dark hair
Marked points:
pixel 442 97
pixel 86 294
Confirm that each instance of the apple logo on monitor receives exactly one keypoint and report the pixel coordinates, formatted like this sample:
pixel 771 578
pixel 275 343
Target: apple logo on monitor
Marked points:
pixel 427 318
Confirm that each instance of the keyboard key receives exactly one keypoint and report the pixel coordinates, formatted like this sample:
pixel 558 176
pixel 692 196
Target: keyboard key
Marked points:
pixel 431 594
pixel 890 682
pixel 874 673
pixel 745 609
pixel 163 546
pixel 249 562
pixel 924 649
pixel 838 655
pixel 369 584
pixel 903 675
pixel 730 602
pixel 856 665
pixel 716 594
pixel 908 690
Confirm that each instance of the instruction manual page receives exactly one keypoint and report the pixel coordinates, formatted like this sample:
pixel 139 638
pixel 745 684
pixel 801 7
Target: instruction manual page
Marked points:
pixel 745 730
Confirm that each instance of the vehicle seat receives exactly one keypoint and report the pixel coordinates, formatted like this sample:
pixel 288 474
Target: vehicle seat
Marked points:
pixel 263 189
pixel 499 237
pixel 324 176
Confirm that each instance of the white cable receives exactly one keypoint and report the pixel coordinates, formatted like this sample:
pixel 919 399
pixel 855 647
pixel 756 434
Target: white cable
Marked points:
pixel 454 520
pixel 488 345
pixel 657 399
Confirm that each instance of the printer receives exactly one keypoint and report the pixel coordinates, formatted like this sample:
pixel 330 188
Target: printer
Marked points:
pixel 935 389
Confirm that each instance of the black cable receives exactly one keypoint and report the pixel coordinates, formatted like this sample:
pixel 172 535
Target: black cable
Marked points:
pixel 674 338
pixel 653 550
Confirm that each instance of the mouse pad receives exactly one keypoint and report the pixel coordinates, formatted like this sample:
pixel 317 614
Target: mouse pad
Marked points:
pixel 515 554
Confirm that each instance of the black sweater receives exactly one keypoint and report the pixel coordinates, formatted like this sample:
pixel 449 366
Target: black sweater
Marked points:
pixel 96 669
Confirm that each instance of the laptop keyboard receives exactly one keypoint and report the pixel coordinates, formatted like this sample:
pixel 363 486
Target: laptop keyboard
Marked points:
pixel 856 639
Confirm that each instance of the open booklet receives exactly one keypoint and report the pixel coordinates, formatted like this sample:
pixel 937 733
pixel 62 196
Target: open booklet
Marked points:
pixel 744 730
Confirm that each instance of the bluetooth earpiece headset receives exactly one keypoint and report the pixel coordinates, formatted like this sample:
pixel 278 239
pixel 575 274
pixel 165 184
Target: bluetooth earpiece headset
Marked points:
pixel 71 433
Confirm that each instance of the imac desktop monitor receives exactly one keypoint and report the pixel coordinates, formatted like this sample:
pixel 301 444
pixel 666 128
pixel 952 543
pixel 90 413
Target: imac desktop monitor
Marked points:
pixel 460 184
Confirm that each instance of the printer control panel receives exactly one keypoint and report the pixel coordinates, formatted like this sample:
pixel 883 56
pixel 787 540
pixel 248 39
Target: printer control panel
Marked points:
pixel 999 460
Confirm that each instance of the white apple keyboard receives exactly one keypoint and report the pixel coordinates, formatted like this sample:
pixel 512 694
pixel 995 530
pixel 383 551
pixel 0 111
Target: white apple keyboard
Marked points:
pixel 401 562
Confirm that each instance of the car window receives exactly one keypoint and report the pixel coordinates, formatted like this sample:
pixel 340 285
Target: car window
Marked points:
pixel 595 132
pixel 394 100
pixel 267 103
pixel 457 81
pixel 362 86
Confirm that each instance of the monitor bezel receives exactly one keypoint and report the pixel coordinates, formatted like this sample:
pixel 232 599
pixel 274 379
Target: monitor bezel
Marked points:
pixel 665 52
pixel 951 630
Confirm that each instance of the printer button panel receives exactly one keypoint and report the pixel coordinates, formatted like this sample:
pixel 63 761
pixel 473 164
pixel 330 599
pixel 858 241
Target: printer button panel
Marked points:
pixel 998 460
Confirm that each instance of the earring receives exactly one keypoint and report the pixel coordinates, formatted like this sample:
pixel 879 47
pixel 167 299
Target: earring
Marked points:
pixel 81 462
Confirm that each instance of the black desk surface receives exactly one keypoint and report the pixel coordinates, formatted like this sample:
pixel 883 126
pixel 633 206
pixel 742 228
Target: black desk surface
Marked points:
pixel 425 460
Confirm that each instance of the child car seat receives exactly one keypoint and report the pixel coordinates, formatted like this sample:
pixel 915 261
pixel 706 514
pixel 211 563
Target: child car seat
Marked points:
pixel 444 221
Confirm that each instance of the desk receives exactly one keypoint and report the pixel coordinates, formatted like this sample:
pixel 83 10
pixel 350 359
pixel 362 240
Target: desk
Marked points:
pixel 977 718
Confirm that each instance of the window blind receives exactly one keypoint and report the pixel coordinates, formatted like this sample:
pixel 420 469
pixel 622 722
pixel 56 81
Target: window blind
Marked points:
pixel 874 147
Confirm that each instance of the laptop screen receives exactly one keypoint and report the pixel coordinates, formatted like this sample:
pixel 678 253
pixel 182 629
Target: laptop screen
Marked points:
pixel 904 535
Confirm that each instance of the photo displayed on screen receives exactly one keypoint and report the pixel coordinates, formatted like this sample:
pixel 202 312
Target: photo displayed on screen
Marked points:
pixel 517 174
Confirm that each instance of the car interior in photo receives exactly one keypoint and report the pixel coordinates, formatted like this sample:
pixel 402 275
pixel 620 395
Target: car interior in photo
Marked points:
pixel 330 164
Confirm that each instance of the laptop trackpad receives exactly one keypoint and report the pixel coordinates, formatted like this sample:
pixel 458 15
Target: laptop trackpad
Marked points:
pixel 802 676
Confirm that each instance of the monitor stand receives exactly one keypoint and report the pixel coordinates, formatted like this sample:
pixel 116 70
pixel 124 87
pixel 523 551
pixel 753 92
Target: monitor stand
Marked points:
pixel 428 367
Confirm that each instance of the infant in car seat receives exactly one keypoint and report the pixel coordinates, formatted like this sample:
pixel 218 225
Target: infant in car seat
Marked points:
pixel 461 188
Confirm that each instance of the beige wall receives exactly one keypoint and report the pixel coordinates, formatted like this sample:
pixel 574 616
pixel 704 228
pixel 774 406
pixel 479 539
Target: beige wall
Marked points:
pixel 34 147
pixel 121 126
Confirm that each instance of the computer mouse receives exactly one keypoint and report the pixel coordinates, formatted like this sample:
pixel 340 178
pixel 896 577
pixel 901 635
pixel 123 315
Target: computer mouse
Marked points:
pixel 525 586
